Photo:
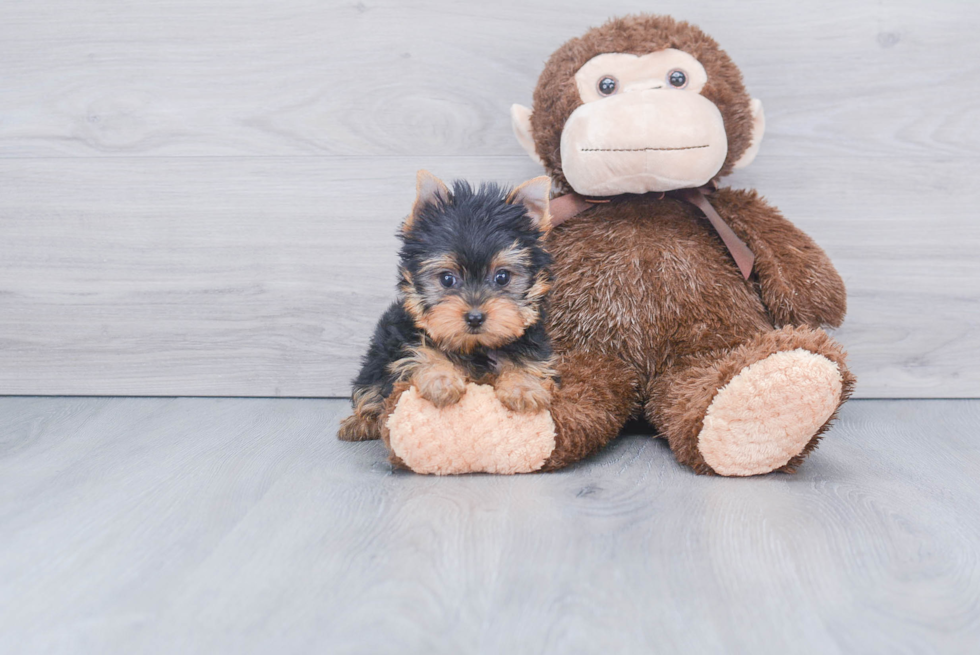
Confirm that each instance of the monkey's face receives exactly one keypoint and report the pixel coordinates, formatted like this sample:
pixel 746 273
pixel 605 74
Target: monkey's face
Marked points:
pixel 642 103
pixel 643 126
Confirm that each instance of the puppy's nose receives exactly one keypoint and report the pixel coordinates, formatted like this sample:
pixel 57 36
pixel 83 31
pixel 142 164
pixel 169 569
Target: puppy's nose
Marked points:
pixel 475 318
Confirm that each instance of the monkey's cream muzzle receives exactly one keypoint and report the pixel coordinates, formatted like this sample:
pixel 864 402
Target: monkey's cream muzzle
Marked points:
pixel 635 142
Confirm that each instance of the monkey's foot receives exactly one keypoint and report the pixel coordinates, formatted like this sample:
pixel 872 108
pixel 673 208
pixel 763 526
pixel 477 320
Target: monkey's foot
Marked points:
pixel 768 412
pixel 477 434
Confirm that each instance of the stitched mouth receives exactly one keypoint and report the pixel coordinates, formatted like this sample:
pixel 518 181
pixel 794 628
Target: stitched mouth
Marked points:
pixel 640 149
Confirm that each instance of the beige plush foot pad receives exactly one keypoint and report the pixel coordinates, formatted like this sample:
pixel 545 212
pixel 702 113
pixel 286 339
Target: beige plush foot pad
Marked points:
pixel 769 412
pixel 477 434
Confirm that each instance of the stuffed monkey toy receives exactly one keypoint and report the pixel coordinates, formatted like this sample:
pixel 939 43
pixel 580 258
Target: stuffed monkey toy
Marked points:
pixel 697 308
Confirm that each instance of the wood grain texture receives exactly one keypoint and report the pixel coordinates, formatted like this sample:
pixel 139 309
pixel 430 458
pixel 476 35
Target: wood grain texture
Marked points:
pixel 243 526
pixel 190 276
pixel 198 198
pixel 396 77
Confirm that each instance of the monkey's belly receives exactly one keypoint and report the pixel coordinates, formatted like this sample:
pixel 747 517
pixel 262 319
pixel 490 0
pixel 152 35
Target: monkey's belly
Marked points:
pixel 634 284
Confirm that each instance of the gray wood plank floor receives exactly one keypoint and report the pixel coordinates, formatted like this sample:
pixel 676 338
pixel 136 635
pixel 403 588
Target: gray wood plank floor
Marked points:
pixel 199 197
pixel 161 525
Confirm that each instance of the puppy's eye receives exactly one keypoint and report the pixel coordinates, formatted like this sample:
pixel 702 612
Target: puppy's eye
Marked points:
pixel 447 280
pixel 501 278
pixel 607 85
pixel 677 79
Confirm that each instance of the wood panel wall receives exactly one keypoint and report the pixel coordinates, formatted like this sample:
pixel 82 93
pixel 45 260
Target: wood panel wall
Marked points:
pixel 199 197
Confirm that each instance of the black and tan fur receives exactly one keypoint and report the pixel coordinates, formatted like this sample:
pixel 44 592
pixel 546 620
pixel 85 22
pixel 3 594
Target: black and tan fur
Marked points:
pixel 465 253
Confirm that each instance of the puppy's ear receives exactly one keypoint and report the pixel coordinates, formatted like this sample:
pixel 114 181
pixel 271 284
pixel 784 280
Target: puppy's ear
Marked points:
pixel 535 195
pixel 428 189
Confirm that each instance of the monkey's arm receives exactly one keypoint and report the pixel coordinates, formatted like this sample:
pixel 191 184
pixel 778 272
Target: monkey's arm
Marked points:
pixel 800 286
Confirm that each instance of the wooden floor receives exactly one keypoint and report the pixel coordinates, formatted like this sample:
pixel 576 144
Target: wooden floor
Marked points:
pixel 241 525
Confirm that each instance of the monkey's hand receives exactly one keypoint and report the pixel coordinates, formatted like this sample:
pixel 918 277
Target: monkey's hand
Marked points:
pixel 799 284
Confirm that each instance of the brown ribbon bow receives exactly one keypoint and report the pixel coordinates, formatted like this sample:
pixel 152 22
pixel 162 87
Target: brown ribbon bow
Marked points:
pixel 572 204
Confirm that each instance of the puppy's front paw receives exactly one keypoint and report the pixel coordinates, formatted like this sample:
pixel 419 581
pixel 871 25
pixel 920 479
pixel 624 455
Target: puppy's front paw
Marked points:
pixel 440 385
pixel 520 392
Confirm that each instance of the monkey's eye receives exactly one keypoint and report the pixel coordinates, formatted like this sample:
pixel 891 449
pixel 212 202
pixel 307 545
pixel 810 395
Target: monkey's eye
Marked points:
pixel 607 85
pixel 677 79
pixel 501 278
pixel 447 280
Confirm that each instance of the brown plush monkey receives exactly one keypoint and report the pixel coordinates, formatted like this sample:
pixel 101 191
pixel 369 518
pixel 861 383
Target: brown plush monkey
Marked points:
pixel 650 313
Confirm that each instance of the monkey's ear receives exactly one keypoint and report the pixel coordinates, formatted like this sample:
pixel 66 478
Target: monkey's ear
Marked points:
pixel 428 189
pixel 535 195
pixel 758 129
pixel 520 120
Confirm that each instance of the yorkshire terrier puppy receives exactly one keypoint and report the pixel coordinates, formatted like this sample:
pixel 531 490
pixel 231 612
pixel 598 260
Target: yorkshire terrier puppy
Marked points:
pixel 474 276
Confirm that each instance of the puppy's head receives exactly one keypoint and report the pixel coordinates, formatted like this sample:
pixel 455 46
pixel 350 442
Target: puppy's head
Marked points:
pixel 474 271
